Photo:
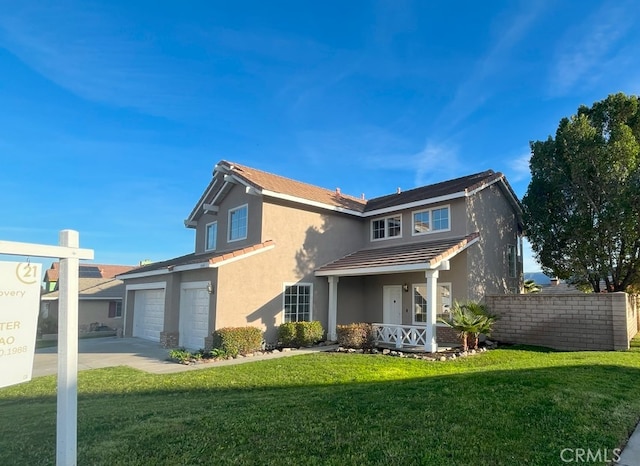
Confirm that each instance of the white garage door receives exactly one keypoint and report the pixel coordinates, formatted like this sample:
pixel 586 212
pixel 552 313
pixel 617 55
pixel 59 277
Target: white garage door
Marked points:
pixel 194 317
pixel 148 314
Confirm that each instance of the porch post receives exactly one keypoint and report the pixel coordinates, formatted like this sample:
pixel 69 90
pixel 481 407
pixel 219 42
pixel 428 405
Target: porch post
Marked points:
pixel 430 344
pixel 332 334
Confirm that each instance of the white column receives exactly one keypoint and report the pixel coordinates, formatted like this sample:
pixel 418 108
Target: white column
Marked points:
pixel 432 290
pixel 332 334
pixel 67 414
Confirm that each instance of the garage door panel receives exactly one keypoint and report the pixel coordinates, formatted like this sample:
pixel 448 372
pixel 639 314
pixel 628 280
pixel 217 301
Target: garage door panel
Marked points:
pixel 194 317
pixel 148 314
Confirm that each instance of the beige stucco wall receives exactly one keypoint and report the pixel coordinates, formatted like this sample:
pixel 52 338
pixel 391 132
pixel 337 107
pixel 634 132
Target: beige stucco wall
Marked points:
pixel 457 220
pixel 304 240
pixel 491 214
pixel 89 311
pixel 571 321
pixel 236 197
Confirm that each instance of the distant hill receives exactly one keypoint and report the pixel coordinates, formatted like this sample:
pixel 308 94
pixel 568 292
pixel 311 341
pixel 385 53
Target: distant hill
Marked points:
pixel 538 277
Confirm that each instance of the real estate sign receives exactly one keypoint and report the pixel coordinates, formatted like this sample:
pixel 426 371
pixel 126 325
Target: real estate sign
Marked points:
pixel 19 305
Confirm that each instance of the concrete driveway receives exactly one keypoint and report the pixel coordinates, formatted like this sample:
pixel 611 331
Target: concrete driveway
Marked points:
pixel 95 353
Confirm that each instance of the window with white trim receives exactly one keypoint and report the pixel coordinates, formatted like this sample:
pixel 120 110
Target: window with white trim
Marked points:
pixel 297 302
pixel 431 220
pixel 443 303
pixel 419 304
pixel 511 260
pixel 238 219
pixel 115 309
pixel 388 227
pixel 212 234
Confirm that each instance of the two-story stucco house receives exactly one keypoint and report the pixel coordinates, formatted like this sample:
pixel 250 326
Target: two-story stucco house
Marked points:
pixel 269 250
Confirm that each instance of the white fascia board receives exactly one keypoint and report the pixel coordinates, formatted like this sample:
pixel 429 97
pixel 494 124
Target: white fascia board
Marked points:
pixel 320 205
pixel 147 286
pixel 104 298
pixel 374 270
pixel 198 207
pixel 514 199
pixel 150 273
pixel 414 204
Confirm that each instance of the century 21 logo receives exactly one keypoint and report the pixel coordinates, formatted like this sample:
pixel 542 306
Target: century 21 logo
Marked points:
pixel 27 273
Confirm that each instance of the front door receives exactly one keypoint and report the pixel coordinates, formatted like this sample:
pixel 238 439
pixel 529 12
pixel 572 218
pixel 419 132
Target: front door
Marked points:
pixel 392 304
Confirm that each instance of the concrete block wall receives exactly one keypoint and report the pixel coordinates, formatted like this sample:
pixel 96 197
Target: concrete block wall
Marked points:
pixel 571 321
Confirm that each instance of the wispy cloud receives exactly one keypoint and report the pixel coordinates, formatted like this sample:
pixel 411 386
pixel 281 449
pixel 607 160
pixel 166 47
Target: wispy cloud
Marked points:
pixel 86 52
pixel 480 83
pixel 519 167
pixel 585 51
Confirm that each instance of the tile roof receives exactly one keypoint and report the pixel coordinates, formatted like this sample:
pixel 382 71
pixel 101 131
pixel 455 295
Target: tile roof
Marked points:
pixel 444 188
pixel 88 271
pixel 211 258
pixel 421 255
pixel 281 185
pixel 95 288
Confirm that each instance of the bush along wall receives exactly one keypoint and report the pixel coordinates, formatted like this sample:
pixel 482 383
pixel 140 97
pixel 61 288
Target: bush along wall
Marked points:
pixel 297 334
pixel 238 340
pixel 357 336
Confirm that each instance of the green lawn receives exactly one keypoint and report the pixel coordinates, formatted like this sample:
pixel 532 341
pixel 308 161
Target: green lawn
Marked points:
pixel 504 407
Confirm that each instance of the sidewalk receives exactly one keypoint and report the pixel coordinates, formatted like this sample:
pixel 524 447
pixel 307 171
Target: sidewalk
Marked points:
pixel 140 354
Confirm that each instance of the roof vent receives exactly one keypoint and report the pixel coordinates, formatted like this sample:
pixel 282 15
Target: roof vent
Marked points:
pixel 363 198
pixel 338 191
pixel 399 190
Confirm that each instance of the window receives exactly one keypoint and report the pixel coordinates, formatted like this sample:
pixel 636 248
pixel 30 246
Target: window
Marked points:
pixel 431 220
pixel 212 233
pixel 238 223
pixel 115 309
pixel 297 302
pixel 388 227
pixel 419 303
pixel 511 260
pixel 443 302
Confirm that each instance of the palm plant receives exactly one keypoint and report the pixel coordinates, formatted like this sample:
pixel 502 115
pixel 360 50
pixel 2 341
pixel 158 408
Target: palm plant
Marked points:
pixel 531 286
pixel 470 318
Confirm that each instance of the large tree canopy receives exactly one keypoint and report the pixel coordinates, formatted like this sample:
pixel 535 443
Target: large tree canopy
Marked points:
pixel 582 207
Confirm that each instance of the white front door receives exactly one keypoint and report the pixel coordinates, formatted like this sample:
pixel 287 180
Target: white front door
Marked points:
pixel 194 316
pixel 392 304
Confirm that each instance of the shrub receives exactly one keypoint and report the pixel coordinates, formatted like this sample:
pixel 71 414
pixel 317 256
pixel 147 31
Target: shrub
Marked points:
pixel 300 333
pixel 180 354
pixel 357 335
pixel 237 340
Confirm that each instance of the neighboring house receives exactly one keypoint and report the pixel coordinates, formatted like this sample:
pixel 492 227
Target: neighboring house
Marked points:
pixel 270 250
pixel 99 297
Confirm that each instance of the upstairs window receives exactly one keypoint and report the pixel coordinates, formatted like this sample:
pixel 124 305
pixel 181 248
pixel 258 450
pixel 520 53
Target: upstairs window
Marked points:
pixel 388 227
pixel 431 221
pixel 238 219
pixel 297 302
pixel 212 233
pixel 511 260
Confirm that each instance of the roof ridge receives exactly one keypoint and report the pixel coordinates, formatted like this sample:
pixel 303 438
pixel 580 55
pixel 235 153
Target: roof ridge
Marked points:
pixel 242 167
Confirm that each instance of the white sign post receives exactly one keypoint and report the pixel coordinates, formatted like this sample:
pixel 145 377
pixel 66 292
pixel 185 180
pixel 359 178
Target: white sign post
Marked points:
pixel 19 305
pixel 69 254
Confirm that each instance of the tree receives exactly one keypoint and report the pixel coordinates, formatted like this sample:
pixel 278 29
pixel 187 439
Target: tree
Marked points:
pixel 582 206
pixel 470 319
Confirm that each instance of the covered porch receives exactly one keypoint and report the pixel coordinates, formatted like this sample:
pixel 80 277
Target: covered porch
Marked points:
pixel 429 259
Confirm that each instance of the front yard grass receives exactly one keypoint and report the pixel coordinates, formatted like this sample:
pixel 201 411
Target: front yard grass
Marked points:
pixel 504 407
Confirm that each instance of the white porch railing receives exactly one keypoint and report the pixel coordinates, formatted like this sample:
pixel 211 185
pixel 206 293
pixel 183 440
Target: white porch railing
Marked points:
pixel 400 336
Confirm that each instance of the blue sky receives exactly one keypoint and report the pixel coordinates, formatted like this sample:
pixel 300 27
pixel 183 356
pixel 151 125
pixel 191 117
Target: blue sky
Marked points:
pixel 114 113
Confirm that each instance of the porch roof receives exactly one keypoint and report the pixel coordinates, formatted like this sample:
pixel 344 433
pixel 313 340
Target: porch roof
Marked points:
pixel 397 259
